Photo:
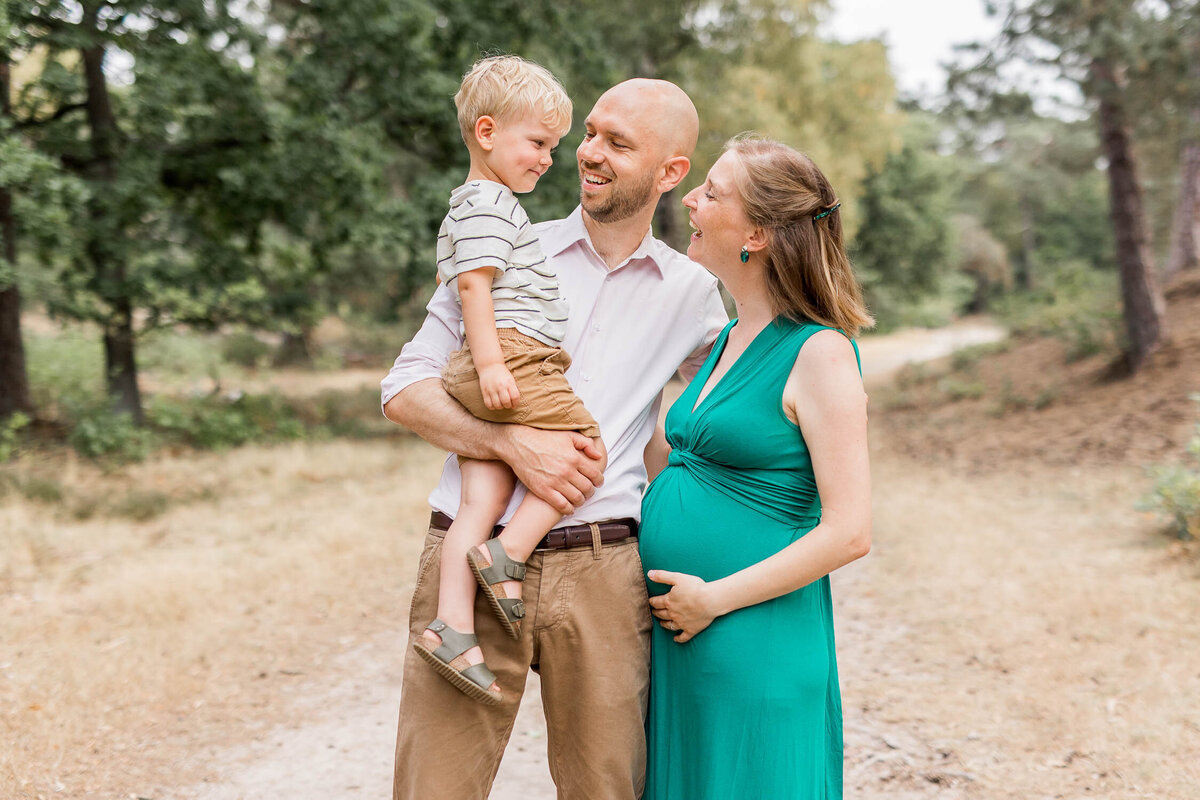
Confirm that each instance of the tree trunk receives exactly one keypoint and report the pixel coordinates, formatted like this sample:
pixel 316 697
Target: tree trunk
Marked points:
pixel 1185 237
pixel 120 366
pixel 1145 311
pixel 14 382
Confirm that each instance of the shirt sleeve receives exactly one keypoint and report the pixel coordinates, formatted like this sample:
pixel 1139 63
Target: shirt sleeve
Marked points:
pixel 483 235
pixel 427 353
pixel 713 318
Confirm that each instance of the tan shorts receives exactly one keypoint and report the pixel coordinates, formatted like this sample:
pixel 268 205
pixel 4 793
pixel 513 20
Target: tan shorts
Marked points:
pixel 547 400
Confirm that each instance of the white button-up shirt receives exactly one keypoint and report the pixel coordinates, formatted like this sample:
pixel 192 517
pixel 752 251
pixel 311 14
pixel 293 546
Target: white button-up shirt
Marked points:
pixel 630 329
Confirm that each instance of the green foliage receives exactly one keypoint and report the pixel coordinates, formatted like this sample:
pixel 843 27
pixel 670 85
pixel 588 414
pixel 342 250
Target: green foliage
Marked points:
pixel 174 353
pixel 221 422
pixel 66 374
pixel 958 389
pixel 10 430
pixel 1074 304
pixel 110 436
pixel 245 349
pixel 1176 490
pixel 902 250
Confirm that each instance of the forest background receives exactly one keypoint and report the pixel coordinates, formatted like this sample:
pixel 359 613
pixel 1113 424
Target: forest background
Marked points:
pixel 200 187
pixel 217 226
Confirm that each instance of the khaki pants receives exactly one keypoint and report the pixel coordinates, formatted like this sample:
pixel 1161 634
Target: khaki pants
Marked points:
pixel 586 632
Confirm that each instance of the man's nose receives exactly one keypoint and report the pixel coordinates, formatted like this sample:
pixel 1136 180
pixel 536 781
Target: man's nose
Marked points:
pixel 587 151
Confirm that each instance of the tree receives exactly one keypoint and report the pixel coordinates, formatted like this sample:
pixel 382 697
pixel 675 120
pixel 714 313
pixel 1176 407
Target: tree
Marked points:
pixel 1184 251
pixel 764 68
pixel 1093 44
pixel 14 383
pixel 36 203
pixel 902 246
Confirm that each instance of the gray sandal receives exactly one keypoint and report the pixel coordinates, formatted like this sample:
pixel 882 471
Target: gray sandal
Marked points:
pixel 472 680
pixel 509 610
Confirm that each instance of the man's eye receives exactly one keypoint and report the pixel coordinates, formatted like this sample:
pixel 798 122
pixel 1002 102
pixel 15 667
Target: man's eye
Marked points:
pixel 587 136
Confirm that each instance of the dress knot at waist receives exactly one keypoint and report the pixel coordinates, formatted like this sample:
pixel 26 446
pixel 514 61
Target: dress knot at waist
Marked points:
pixel 677 457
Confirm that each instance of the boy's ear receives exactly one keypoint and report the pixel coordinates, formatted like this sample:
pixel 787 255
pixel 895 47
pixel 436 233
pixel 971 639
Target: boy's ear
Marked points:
pixel 485 129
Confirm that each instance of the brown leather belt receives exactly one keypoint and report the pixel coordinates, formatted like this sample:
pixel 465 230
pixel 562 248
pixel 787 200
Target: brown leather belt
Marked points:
pixel 611 530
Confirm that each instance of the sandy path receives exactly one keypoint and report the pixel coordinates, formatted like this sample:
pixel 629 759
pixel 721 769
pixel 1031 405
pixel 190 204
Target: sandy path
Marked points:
pixel 1009 636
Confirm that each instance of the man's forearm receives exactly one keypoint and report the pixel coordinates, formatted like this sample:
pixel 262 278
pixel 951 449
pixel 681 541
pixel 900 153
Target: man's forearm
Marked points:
pixel 428 411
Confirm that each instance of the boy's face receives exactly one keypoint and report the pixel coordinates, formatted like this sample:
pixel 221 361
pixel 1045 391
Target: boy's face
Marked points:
pixel 520 152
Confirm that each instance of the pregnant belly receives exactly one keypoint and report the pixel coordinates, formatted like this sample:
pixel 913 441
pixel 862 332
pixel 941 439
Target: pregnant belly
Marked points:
pixel 689 527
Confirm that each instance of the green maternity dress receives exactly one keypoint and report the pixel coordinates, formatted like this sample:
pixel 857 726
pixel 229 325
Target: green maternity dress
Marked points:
pixel 750 707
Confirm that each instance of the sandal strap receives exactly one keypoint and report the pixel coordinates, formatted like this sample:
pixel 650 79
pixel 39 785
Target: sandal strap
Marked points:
pixel 454 643
pixel 514 607
pixel 480 675
pixel 502 567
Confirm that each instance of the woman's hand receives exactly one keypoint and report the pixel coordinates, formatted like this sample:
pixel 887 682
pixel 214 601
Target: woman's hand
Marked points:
pixel 688 608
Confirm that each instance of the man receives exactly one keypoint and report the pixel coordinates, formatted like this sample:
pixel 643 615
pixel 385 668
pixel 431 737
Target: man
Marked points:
pixel 639 312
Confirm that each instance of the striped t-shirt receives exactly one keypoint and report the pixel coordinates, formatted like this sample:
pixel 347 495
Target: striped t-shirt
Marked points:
pixel 487 227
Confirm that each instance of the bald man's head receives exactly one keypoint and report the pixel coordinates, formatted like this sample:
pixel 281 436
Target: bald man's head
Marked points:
pixel 639 140
pixel 661 109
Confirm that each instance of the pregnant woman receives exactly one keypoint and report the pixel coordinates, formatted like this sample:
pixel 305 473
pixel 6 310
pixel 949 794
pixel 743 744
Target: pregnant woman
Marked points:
pixel 765 491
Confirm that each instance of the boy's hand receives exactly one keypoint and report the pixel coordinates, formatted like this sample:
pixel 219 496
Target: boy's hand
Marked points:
pixel 498 387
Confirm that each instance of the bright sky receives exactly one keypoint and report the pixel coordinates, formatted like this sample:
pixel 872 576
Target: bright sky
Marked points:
pixel 919 34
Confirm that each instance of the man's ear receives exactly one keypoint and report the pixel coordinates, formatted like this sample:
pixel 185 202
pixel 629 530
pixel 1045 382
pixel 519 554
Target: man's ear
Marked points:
pixel 674 170
pixel 485 129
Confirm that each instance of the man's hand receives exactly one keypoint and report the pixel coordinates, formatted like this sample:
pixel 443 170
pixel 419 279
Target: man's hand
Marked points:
pixel 498 386
pixel 561 467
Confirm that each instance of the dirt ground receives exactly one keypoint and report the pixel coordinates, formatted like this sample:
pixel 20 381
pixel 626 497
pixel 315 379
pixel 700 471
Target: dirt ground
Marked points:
pixel 1018 630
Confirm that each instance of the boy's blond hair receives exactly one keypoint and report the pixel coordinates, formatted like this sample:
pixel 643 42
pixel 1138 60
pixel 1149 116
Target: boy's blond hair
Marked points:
pixel 504 87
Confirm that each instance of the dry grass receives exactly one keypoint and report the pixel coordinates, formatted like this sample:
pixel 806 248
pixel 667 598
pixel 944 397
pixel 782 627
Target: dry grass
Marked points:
pixel 1019 635
pixel 127 646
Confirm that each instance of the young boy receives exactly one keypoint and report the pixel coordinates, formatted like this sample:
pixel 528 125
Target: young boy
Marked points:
pixel 512 114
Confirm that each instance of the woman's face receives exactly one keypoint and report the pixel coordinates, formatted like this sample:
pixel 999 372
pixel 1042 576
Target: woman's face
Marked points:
pixel 718 218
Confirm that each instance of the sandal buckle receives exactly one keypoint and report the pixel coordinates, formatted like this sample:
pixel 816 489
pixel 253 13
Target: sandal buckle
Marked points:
pixel 518 609
pixel 515 570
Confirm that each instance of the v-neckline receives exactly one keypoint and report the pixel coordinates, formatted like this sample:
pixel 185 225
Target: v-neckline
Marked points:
pixel 701 396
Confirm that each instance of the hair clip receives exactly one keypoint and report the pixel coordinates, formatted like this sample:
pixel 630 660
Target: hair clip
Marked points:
pixel 827 211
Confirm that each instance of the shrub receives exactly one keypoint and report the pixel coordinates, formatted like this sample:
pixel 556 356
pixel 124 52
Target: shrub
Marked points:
pixel 245 349
pixel 1076 304
pixel 110 436
pixel 1176 491
pixel 218 422
pixel 10 430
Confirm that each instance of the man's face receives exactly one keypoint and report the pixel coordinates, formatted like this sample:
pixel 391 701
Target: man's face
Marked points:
pixel 619 161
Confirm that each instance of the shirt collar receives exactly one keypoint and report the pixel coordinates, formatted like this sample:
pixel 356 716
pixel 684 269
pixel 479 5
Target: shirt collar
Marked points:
pixel 571 230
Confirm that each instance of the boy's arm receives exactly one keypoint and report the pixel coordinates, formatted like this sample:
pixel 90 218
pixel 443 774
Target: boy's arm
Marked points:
pixel 479 324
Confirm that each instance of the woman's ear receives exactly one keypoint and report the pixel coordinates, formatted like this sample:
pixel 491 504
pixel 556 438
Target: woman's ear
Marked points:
pixel 757 240
pixel 485 129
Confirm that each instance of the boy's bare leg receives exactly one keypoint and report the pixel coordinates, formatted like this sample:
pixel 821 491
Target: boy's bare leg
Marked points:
pixel 487 487
pixel 532 520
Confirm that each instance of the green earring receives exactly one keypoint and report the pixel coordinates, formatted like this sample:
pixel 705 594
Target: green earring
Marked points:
pixel 745 254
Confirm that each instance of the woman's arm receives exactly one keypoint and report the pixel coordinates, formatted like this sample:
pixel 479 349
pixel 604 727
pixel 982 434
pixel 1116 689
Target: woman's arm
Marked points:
pixel 824 396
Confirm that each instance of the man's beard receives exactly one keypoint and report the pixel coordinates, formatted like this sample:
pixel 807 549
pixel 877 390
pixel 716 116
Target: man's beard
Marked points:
pixel 621 203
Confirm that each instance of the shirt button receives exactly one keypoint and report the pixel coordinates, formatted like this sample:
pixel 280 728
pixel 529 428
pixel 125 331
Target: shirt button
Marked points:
pixel 596 329
pixel 586 377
